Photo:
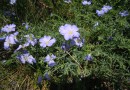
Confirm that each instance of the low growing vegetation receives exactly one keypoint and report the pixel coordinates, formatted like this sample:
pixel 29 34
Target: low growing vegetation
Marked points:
pixel 64 45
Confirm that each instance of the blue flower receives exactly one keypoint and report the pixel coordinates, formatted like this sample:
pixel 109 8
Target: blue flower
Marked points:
pixel 86 2
pixel 88 57
pixel 31 40
pixel 47 77
pixel 12 2
pixel 46 41
pixel 27 26
pixel 65 47
pixel 26 58
pixel 8 28
pixel 77 41
pixel 50 60
pixel 106 8
pixel 69 31
pixel 39 79
pixel 124 13
pixel 9 40
pixel 100 12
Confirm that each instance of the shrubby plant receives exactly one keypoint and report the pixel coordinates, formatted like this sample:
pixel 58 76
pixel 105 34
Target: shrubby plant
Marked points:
pixel 70 43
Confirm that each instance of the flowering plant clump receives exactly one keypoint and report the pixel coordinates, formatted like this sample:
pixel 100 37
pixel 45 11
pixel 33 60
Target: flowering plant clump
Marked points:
pixel 104 10
pixel 64 44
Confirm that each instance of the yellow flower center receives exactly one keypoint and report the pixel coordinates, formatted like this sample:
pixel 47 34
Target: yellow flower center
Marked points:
pixel 70 32
pixel 26 58
pixel 9 28
pixel 78 40
pixel 47 42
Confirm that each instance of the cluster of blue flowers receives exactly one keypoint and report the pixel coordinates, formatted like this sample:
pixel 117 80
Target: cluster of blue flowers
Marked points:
pixel 84 2
pixel 70 32
pixel 10 39
pixel 104 10
pixel 8 28
pixel 124 13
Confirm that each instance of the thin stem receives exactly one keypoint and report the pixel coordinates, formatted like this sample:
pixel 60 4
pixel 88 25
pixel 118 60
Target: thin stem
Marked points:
pixel 73 59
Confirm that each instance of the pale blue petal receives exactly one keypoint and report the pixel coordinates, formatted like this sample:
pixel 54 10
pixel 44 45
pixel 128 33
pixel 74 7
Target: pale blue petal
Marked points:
pixel 53 56
pixel 47 58
pixel 51 63
pixel 51 42
pixel 6 45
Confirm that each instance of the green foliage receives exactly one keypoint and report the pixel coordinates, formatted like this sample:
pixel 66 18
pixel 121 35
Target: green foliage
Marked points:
pixel 108 43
